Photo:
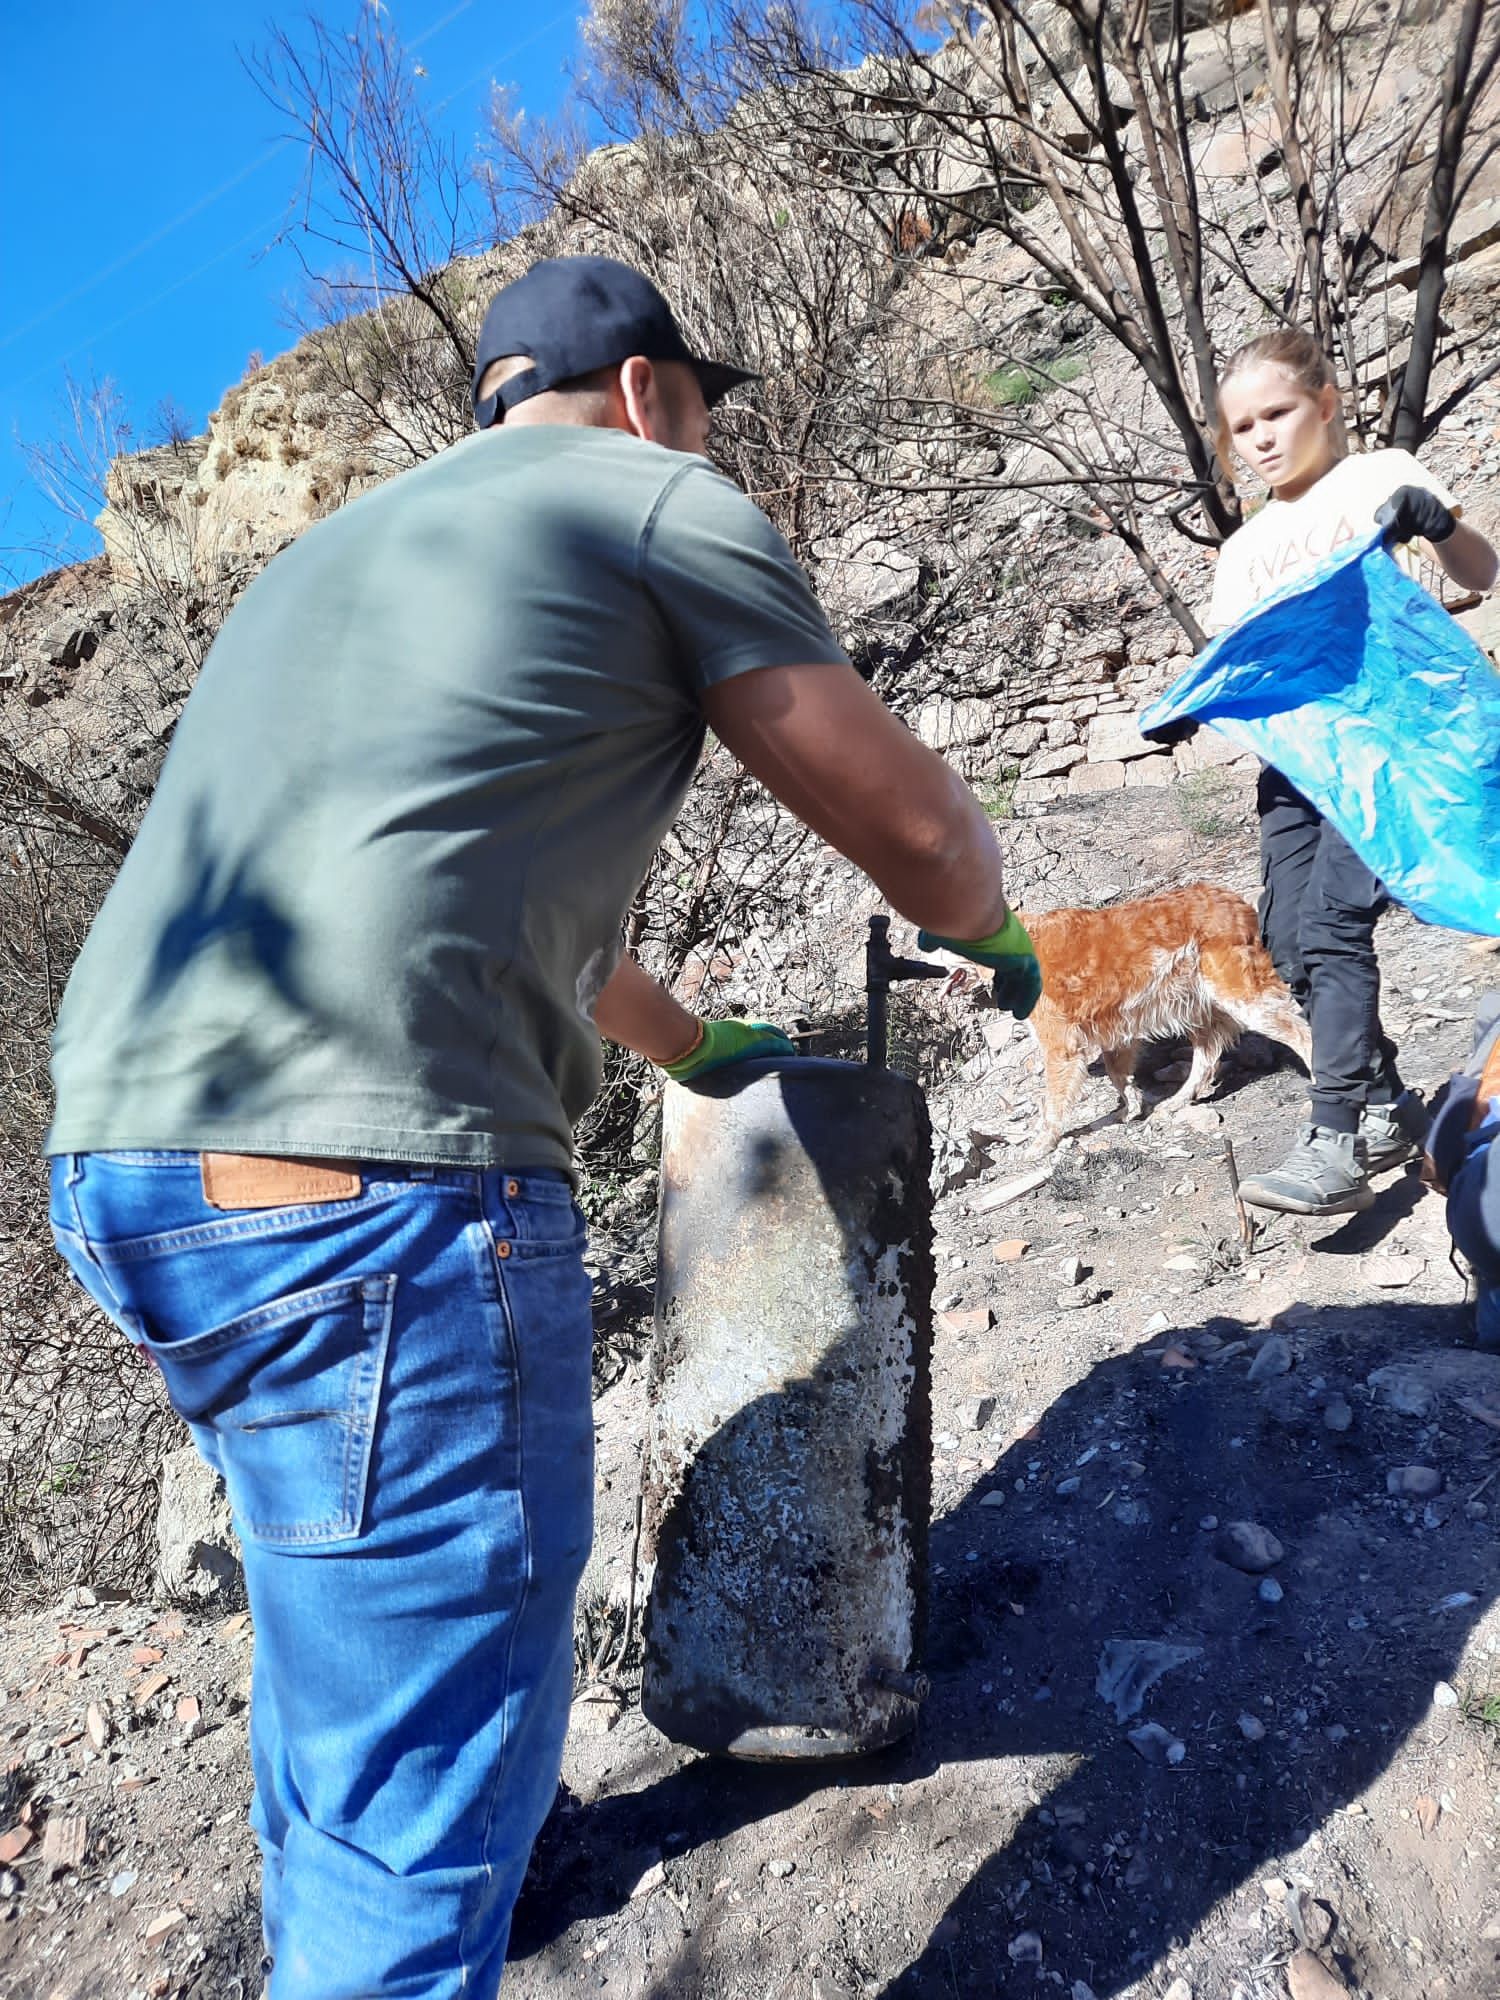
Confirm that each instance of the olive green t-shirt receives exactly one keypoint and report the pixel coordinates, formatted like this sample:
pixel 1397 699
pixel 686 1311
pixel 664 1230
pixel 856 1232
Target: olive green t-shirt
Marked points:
pixel 420 777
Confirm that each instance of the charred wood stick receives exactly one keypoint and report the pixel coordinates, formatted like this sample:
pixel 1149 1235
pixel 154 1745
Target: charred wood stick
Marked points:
pixel 1231 1167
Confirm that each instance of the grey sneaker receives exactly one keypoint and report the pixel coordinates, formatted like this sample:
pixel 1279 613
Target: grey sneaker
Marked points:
pixel 1323 1174
pixel 1392 1134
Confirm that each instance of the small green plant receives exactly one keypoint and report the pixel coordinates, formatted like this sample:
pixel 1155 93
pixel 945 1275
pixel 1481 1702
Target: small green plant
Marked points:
pixel 1066 368
pixel 1482 1708
pixel 997 794
pixel 72 1475
pixel 1010 388
pixel 1205 804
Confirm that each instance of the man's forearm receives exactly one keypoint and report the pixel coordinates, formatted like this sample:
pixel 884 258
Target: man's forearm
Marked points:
pixel 826 747
pixel 1468 558
pixel 638 1012
pixel 943 872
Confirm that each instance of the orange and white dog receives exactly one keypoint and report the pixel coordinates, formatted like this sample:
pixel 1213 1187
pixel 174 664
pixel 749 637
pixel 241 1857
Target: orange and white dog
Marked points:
pixel 1188 962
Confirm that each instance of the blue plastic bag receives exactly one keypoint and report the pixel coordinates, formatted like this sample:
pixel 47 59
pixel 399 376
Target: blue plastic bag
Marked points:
pixel 1359 687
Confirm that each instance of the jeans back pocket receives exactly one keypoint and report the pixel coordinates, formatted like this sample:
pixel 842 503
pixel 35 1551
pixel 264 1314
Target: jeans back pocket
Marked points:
pixel 284 1401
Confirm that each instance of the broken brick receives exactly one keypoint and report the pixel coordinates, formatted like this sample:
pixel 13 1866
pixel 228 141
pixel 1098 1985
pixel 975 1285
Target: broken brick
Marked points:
pixel 972 1319
pixel 151 1686
pixel 64 1842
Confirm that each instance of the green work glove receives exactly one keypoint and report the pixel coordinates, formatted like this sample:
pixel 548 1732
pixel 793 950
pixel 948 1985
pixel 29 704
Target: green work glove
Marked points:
pixel 1008 953
pixel 726 1042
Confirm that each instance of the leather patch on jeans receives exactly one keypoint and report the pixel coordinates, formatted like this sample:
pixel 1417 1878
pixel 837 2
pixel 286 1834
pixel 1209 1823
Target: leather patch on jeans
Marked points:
pixel 250 1180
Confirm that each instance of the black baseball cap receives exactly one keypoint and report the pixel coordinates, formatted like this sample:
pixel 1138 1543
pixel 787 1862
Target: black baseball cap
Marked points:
pixel 573 315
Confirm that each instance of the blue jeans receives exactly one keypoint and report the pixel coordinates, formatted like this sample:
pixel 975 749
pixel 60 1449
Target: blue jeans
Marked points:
pixel 1474 1225
pixel 396 1390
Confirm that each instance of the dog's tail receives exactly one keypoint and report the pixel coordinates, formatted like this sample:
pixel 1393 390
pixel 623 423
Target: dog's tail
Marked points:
pixel 1246 986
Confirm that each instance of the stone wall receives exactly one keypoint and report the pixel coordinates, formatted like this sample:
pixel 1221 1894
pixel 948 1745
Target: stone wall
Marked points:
pixel 1068 725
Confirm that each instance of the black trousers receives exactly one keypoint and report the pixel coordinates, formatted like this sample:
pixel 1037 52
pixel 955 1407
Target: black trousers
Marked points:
pixel 1318 907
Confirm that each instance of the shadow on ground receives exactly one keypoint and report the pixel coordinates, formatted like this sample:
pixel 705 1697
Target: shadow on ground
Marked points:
pixel 1123 1857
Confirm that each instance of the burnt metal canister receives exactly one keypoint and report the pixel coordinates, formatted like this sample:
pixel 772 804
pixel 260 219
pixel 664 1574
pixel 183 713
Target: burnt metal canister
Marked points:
pixel 788 1481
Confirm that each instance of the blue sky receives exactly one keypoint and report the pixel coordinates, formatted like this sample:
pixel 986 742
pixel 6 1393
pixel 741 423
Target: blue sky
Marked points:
pixel 142 184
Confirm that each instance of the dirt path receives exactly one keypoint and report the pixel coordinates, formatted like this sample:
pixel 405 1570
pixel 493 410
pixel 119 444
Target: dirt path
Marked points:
pixel 1337 1786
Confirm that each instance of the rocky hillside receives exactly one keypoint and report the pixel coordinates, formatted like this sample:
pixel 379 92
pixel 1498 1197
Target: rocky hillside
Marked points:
pixel 1215 1657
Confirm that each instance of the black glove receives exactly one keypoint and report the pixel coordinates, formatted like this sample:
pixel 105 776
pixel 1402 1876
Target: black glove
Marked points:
pixel 1170 734
pixel 1413 511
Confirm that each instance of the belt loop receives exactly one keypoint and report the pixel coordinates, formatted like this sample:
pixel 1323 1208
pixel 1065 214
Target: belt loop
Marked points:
pixel 75 1169
pixel 504 1186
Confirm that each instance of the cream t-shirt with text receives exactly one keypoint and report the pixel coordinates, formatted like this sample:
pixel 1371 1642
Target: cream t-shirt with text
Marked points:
pixel 1288 537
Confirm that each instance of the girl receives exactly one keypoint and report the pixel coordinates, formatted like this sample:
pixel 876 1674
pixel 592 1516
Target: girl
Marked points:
pixel 1280 409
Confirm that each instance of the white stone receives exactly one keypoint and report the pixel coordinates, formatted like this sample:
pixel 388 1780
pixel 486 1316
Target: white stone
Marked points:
pixel 1149 774
pixel 198 1554
pixel 942 723
pixel 1476 229
pixel 1053 763
pixel 861 573
pixel 1039 791
pixel 1207 751
pixel 1086 779
pixel 1116 738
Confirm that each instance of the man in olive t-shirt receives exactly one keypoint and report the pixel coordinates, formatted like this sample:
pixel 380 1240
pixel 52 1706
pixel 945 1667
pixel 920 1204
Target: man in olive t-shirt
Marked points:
pixel 379 889
pixel 320 1060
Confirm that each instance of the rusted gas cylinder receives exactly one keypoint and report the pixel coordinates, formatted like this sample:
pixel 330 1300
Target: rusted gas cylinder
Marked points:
pixel 788 1481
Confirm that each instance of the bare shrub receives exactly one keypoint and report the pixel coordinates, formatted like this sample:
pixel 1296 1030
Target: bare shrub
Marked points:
pixel 171 425
pixel 83 1421
pixel 388 213
pixel 758 160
